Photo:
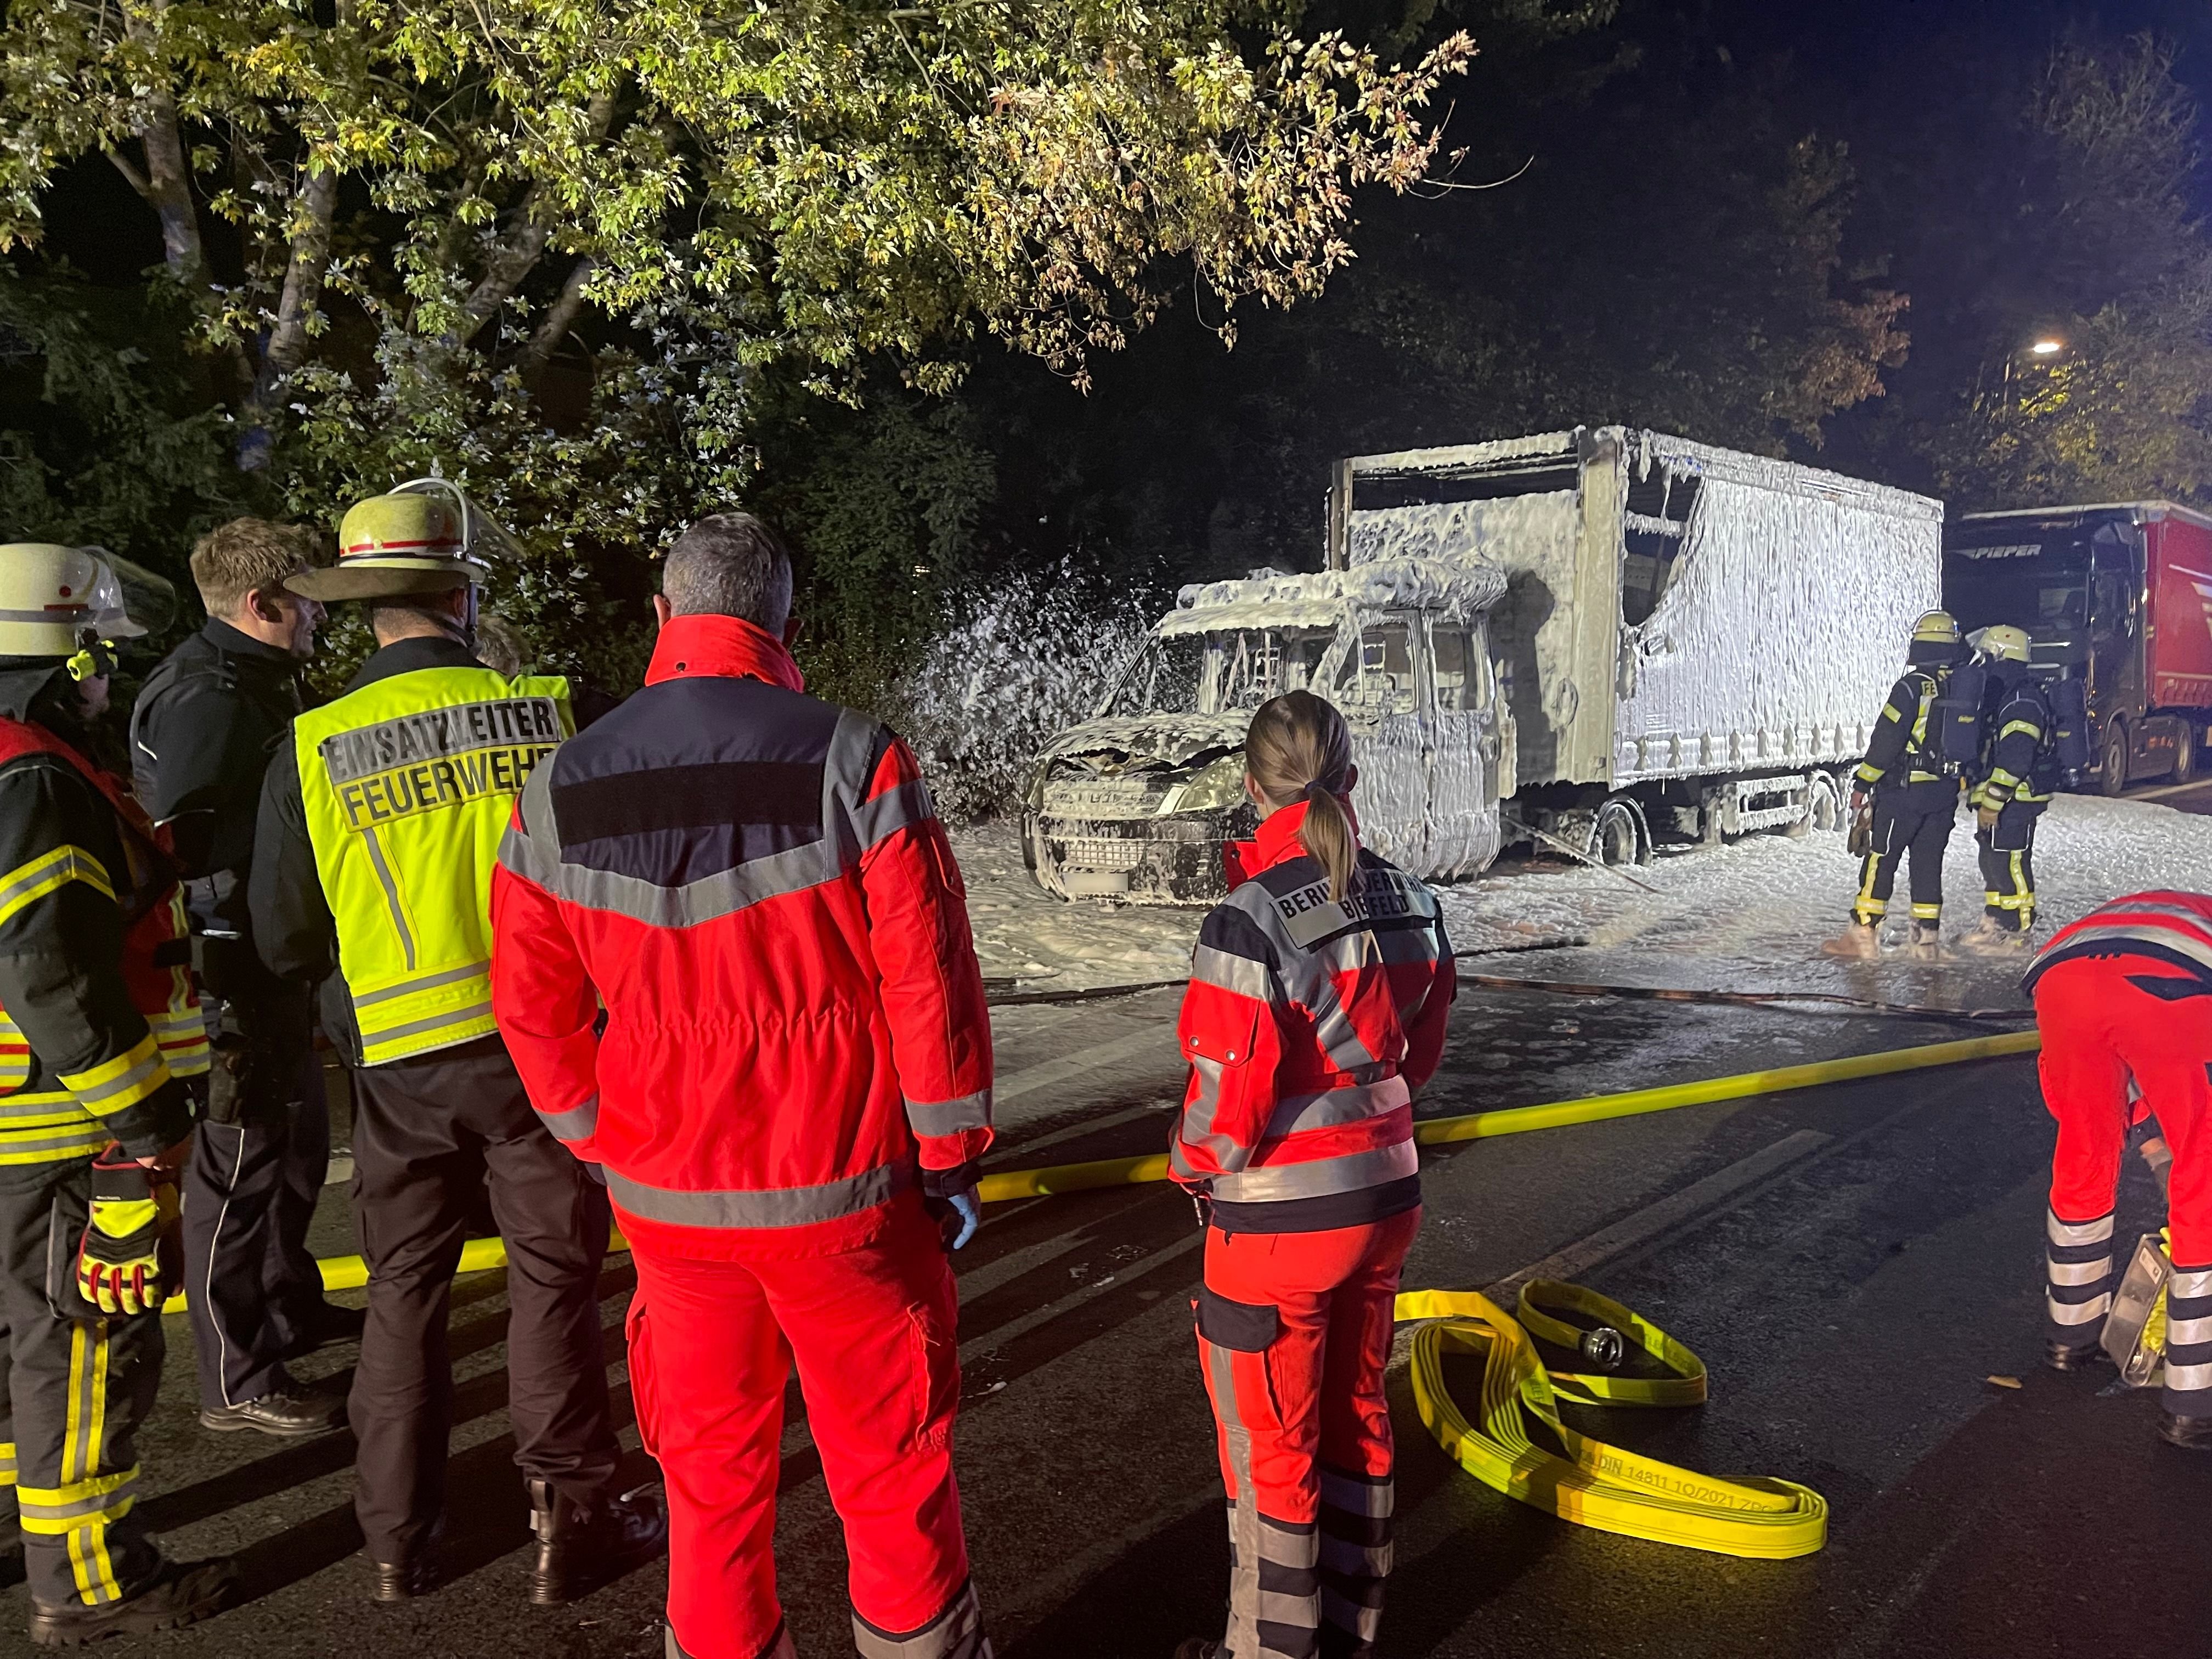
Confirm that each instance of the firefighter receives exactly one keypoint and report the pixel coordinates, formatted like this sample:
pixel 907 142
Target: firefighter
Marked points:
pixel 201 735
pixel 1915 796
pixel 2019 776
pixel 1319 993
pixel 101 1042
pixel 380 823
pixel 2124 1002
pixel 788 1088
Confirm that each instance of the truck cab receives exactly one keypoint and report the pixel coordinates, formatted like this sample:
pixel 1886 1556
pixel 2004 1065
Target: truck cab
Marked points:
pixel 1139 802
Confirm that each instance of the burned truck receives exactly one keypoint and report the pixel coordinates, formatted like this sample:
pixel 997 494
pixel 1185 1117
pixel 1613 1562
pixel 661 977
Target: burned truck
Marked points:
pixel 1606 638
pixel 1138 802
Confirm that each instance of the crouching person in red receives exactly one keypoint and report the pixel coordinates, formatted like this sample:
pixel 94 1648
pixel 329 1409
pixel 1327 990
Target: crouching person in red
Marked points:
pixel 2124 1002
pixel 788 1090
pixel 1319 993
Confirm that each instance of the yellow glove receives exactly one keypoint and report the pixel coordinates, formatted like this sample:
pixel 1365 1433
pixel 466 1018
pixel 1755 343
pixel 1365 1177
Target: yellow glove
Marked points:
pixel 118 1264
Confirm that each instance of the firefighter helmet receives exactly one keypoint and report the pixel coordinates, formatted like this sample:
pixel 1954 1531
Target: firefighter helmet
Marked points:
pixel 74 603
pixel 424 536
pixel 2001 643
pixel 1935 628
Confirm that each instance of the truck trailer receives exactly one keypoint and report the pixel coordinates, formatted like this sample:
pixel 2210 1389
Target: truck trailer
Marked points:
pixel 1606 637
pixel 2119 595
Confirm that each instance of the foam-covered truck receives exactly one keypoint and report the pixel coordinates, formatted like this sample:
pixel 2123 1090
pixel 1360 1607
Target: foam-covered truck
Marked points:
pixel 1615 639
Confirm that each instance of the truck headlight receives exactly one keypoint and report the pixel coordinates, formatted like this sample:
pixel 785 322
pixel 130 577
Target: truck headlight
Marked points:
pixel 1215 786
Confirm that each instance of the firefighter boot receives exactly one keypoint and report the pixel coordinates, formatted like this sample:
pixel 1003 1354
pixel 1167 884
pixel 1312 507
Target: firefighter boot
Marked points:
pixel 182 1592
pixel 580 1549
pixel 2192 1433
pixel 1992 939
pixel 2073 1356
pixel 1928 940
pixel 1198 1647
pixel 1862 940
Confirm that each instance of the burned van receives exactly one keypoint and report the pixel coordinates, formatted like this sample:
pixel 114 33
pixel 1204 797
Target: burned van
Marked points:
pixel 1138 802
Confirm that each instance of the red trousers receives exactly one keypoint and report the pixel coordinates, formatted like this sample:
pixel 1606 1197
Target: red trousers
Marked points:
pixel 711 1345
pixel 2105 1021
pixel 1294 1335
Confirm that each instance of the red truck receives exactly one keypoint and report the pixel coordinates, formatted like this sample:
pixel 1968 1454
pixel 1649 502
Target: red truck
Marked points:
pixel 2118 594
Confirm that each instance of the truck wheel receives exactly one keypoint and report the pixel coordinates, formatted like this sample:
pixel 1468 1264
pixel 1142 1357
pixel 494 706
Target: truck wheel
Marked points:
pixel 2115 779
pixel 1618 837
pixel 1824 807
pixel 2185 752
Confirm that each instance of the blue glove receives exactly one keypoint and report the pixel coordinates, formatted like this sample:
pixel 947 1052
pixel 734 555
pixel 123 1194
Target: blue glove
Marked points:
pixel 967 1215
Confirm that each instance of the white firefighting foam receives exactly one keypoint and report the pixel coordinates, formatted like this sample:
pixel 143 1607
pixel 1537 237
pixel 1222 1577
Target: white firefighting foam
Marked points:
pixel 1750 916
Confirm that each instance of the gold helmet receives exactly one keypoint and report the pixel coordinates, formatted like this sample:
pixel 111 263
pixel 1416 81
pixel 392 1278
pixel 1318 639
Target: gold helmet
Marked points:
pixel 1935 628
pixel 74 603
pixel 2001 643
pixel 424 536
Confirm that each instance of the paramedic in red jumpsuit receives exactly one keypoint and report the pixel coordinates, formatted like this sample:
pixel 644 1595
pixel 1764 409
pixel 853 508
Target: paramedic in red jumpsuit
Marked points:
pixel 1319 993
pixel 2123 997
pixel 788 1090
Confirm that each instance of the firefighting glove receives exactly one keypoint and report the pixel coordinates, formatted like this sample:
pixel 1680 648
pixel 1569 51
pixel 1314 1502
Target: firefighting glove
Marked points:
pixel 118 1264
pixel 1986 815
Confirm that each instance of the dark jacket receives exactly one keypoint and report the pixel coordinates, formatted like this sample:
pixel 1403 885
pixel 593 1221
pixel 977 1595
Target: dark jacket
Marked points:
pixel 201 735
pixel 2020 764
pixel 68 891
pixel 1902 752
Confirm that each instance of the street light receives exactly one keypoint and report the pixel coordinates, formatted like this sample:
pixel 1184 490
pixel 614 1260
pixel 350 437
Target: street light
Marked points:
pixel 2048 348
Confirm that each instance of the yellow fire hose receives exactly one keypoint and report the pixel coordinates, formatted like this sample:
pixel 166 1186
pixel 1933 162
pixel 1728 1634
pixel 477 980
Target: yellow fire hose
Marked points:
pixel 1593 1484
pixel 480 1254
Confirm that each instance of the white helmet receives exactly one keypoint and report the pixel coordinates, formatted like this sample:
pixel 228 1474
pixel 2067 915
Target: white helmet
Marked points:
pixel 2001 642
pixel 73 604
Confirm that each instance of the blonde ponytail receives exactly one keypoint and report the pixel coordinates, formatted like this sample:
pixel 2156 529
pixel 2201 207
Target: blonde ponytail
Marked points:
pixel 1299 748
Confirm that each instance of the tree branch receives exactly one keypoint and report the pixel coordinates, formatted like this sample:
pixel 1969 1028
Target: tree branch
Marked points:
pixel 554 326
pixel 132 176
pixel 516 254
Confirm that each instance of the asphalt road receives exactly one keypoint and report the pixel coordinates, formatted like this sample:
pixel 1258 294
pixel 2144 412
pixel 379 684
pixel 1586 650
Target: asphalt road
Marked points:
pixel 1853 1262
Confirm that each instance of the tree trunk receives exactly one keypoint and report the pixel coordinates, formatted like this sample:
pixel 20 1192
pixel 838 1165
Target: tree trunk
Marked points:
pixel 169 190
pixel 313 211
pixel 553 327
pixel 516 254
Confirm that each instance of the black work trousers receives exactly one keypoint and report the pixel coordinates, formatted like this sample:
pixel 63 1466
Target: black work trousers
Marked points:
pixel 2008 849
pixel 1913 820
pixel 73 1393
pixel 429 1135
pixel 258 1166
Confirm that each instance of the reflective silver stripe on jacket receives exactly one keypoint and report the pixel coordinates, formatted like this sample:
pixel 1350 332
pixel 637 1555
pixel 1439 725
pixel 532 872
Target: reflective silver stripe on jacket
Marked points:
pixel 577 1123
pixel 1270 1183
pixel 1351 1103
pixel 950 1117
pixel 774 1207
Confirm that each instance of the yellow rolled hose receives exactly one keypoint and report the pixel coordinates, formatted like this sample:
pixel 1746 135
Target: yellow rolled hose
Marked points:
pixel 1593 1484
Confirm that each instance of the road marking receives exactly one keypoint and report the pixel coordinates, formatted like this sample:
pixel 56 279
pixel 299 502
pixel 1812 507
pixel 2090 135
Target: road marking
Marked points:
pixel 1030 1079
pixel 1013 1330
pixel 1601 1246
pixel 2170 789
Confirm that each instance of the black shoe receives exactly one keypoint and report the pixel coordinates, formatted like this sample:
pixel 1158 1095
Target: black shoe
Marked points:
pixel 329 1324
pixel 287 1415
pixel 2194 1433
pixel 2073 1356
pixel 1197 1647
pixel 180 1594
pixel 579 1549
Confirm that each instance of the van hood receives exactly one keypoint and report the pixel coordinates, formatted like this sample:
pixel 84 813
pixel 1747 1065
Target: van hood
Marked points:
pixel 1114 745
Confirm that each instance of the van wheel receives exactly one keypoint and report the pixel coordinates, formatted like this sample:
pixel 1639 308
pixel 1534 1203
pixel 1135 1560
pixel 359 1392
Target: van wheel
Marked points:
pixel 1618 837
pixel 2115 779
pixel 2185 753
pixel 1824 806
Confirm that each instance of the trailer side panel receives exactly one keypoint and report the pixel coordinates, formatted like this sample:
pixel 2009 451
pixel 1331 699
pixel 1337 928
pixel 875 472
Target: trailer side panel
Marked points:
pixel 2179 638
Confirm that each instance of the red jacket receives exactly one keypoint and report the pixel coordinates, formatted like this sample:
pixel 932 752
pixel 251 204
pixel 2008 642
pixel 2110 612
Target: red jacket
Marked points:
pixel 2175 928
pixel 1307 1025
pixel 754 886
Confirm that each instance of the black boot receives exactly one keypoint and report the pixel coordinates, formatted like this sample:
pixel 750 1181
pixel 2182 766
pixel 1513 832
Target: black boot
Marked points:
pixel 2194 1433
pixel 289 1413
pixel 402 1580
pixel 1197 1647
pixel 2073 1356
pixel 180 1594
pixel 580 1549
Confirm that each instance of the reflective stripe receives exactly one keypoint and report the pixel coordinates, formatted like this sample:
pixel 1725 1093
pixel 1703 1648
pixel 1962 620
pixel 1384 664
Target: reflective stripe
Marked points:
pixel 2078 1313
pixel 28 882
pixel 1365 1622
pixel 391 894
pixel 2187 1285
pixel 1348 1104
pixel 7 1462
pixel 577 1123
pixel 785 1206
pixel 896 808
pixel 709 899
pixel 2195 946
pixel 2187 1379
pixel 950 1117
pixel 2181 1333
pixel 2076 1233
pixel 1240 975
pixel 123 1081
pixel 53 1510
pixel 426 982
pixel 955 1633
pixel 1372 1496
pixel 53 1149
pixel 2078 1273
pixel 373 1047
pixel 1928 912
pixel 1273 1181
